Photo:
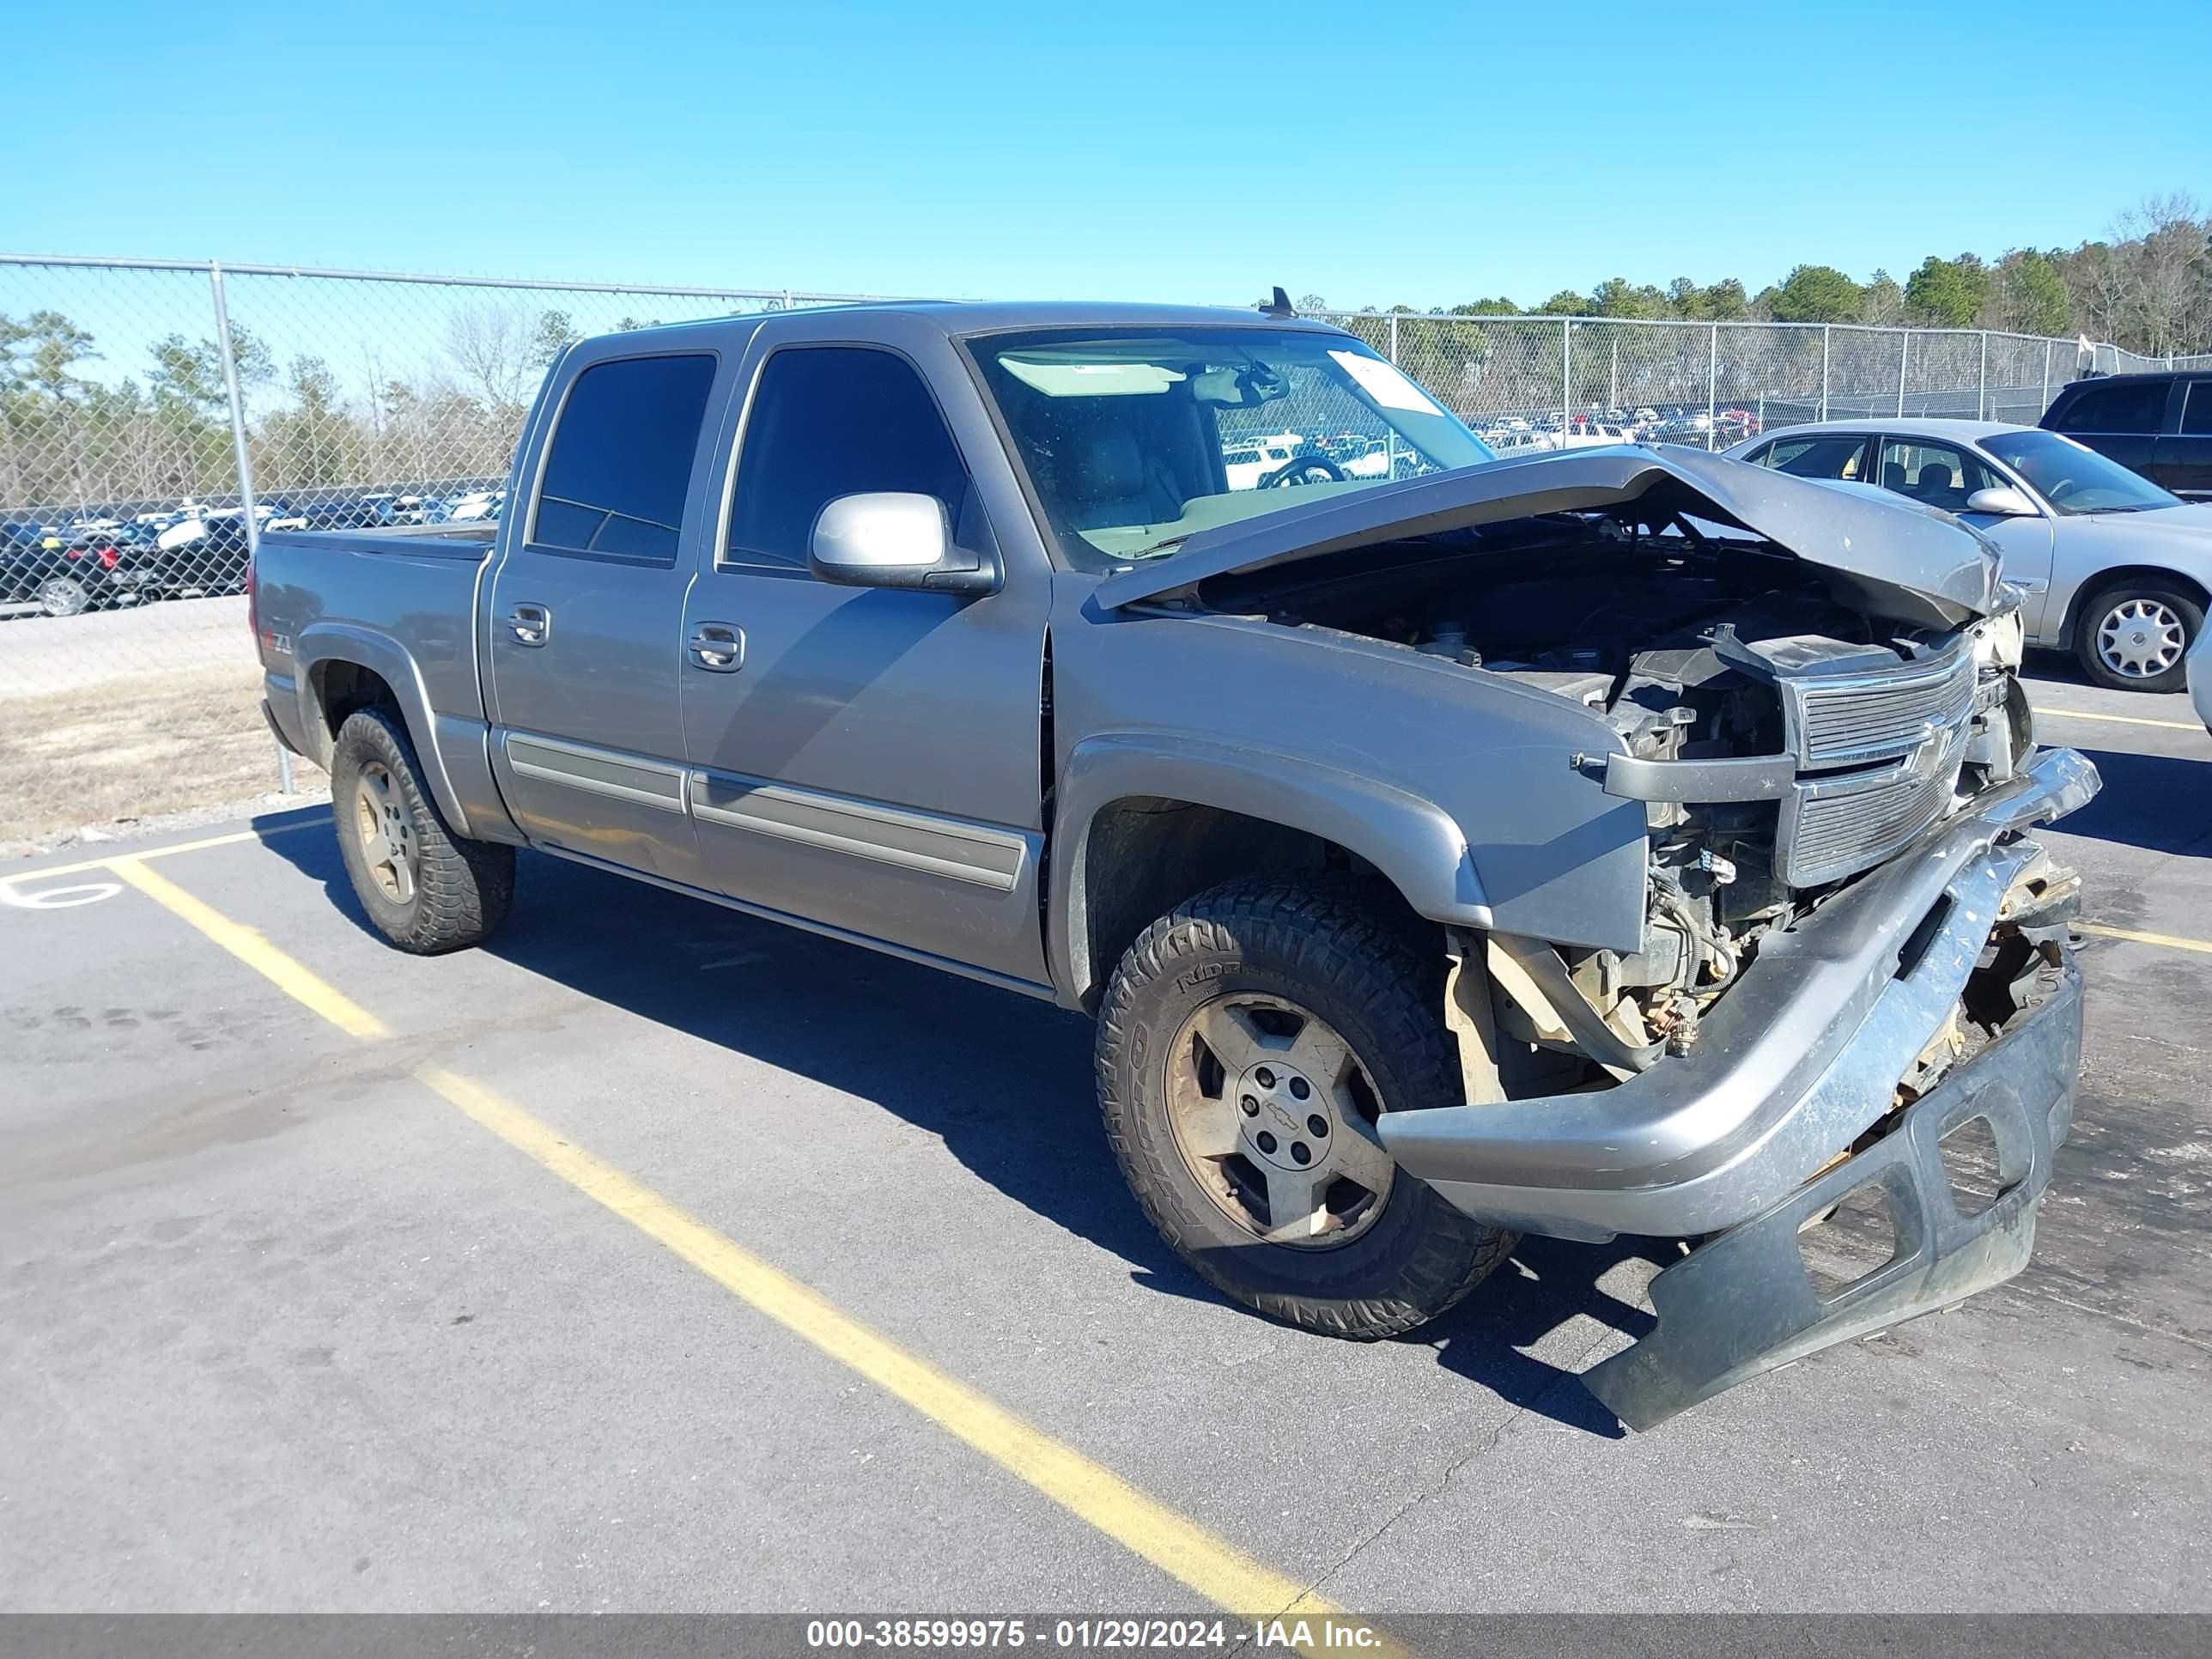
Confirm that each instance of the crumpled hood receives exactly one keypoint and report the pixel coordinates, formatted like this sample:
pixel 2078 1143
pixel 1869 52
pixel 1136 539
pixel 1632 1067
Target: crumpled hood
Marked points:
pixel 1905 561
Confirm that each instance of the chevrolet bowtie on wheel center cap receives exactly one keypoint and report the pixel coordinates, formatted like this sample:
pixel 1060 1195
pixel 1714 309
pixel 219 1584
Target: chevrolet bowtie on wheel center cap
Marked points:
pixel 1275 1118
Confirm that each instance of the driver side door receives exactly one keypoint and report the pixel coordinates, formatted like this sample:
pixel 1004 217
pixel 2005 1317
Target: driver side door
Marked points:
pixel 868 759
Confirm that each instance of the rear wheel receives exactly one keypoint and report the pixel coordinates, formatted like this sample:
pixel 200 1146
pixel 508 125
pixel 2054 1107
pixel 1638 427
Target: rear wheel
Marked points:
pixel 1249 1043
pixel 426 888
pixel 62 596
pixel 2133 636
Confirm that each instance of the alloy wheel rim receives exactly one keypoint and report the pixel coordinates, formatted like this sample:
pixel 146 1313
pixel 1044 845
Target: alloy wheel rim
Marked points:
pixel 2140 639
pixel 1275 1116
pixel 386 834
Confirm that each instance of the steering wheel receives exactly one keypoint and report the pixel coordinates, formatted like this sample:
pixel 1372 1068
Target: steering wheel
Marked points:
pixel 1305 470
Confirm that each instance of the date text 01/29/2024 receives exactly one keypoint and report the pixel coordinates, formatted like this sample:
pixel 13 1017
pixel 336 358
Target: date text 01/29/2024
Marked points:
pixel 1301 1635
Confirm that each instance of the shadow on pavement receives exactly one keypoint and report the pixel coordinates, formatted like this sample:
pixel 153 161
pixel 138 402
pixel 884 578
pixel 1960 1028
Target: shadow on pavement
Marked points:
pixel 1005 1082
pixel 2160 803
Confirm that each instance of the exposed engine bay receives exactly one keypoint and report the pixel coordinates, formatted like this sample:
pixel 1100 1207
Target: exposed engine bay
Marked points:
pixel 1782 733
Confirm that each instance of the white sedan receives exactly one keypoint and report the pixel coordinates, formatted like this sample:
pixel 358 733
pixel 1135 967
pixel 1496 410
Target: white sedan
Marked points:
pixel 2117 569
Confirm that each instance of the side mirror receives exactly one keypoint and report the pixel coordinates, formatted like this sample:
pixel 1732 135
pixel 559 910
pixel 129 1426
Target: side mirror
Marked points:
pixel 2002 500
pixel 891 539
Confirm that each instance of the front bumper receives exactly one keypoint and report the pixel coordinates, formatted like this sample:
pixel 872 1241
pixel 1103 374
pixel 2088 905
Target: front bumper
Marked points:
pixel 1794 1063
pixel 1744 1303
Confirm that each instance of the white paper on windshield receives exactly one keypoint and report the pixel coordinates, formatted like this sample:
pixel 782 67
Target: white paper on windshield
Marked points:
pixel 1064 380
pixel 1383 382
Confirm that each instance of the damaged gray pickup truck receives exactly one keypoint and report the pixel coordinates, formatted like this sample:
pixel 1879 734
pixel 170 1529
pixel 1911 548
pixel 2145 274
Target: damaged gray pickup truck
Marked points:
pixel 1625 840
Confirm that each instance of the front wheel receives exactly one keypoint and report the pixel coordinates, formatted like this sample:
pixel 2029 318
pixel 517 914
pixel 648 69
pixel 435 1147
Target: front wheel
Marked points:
pixel 425 889
pixel 1247 1044
pixel 2133 636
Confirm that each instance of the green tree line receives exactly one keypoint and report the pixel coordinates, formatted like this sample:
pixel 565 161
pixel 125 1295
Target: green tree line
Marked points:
pixel 2148 288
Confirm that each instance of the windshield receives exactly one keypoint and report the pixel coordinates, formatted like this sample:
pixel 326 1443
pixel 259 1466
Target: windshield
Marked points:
pixel 1134 439
pixel 2074 479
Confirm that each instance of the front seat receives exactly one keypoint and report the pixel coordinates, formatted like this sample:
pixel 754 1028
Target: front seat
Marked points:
pixel 1936 486
pixel 1111 485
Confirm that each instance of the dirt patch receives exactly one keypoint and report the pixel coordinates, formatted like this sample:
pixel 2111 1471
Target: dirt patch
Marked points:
pixel 131 748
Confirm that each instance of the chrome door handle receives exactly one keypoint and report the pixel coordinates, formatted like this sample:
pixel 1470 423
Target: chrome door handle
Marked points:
pixel 718 648
pixel 531 624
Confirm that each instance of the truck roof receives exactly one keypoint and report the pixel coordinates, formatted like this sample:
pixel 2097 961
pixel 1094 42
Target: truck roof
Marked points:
pixel 960 318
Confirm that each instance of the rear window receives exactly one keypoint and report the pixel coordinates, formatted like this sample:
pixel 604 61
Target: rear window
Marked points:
pixel 620 465
pixel 2121 406
pixel 1824 456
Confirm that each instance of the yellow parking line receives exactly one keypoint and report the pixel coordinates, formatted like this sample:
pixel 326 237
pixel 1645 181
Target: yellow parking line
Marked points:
pixel 1187 1552
pixel 1179 1547
pixel 231 839
pixel 2170 941
pixel 2117 719
pixel 255 952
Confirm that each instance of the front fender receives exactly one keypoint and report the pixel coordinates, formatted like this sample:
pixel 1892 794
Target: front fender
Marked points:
pixel 1413 842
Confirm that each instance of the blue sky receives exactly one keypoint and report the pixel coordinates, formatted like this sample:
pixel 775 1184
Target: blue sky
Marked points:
pixel 1373 155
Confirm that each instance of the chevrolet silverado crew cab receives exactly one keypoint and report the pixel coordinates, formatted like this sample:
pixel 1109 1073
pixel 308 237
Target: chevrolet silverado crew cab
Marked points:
pixel 1616 841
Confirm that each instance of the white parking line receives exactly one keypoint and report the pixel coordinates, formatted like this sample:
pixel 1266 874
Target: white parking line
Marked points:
pixel 143 853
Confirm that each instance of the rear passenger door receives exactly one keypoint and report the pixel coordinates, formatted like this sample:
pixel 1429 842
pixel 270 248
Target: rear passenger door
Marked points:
pixel 2118 418
pixel 2183 459
pixel 582 616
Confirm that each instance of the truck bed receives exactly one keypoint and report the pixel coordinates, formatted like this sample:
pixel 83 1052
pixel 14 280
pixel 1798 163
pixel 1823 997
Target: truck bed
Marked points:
pixel 413 587
pixel 472 541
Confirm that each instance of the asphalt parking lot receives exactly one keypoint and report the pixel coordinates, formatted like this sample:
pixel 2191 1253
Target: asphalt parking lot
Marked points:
pixel 654 1258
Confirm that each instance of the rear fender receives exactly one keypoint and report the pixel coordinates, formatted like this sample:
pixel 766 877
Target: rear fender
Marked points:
pixel 451 751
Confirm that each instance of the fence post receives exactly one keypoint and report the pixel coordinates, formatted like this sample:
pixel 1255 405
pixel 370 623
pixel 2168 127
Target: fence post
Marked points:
pixel 2047 345
pixel 1393 337
pixel 237 411
pixel 244 458
pixel 1713 387
pixel 1904 357
pixel 1566 377
pixel 1982 392
pixel 1827 329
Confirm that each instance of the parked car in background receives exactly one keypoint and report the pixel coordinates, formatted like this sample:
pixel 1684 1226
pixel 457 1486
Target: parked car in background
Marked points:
pixel 472 505
pixel 2117 569
pixel 207 555
pixel 2157 424
pixel 62 574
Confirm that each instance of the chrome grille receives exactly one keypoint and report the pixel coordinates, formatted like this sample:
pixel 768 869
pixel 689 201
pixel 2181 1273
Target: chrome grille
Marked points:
pixel 1903 734
pixel 1847 718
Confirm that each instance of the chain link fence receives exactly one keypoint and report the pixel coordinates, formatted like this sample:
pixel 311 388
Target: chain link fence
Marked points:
pixel 157 414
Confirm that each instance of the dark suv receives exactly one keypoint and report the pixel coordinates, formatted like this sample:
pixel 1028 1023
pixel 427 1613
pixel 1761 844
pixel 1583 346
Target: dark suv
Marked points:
pixel 2159 424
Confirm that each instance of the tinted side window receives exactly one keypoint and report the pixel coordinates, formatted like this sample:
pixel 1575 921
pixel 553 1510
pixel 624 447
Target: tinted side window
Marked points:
pixel 2131 406
pixel 2196 413
pixel 831 421
pixel 1816 458
pixel 621 460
